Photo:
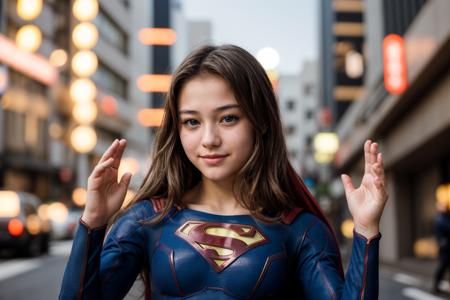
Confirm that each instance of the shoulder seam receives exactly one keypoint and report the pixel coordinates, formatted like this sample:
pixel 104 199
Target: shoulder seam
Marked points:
pixel 305 233
pixel 289 217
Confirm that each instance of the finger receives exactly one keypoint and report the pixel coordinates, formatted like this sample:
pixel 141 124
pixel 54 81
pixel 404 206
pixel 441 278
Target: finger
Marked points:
pixel 378 172
pixel 367 156
pixel 125 180
pixel 109 152
pixel 348 184
pixel 100 168
pixel 380 159
pixel 118 154
pixel 124 183
pixel 381 187
pixel 373 153
pixel 378 169
pixel 383 174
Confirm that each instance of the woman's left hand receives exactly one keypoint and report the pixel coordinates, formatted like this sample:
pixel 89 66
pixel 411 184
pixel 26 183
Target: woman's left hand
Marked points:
pixel 366 202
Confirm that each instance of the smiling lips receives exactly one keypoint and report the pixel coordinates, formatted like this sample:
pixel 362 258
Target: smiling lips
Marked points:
pixel 213 159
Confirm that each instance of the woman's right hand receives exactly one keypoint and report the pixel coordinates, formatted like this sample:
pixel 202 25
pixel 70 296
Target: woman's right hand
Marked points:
pixel 105 195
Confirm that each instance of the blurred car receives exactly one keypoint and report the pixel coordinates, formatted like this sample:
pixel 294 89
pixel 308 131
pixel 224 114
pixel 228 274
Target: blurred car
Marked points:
pixel 65 227
pixel 21 227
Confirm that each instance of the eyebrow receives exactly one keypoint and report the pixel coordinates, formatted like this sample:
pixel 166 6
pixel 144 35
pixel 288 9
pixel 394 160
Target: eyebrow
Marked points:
pixel 220 108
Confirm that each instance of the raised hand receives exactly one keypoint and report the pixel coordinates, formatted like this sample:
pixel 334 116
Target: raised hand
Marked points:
pixel 366 203
pixel 105 194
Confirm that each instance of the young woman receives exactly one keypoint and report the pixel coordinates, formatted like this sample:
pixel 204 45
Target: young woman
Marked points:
pixel 221 213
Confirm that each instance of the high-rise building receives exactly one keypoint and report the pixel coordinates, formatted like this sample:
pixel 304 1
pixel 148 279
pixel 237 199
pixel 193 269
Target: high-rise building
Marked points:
pixel 341 54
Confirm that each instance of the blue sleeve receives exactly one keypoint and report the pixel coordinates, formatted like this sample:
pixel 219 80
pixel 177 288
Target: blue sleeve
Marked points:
pixel 318 262
pixel 98 270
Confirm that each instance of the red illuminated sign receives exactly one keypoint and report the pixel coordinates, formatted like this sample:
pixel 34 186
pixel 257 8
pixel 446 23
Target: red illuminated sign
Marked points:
pixel 394 59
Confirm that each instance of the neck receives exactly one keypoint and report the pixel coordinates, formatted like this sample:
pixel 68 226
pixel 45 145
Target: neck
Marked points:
pixel 215 196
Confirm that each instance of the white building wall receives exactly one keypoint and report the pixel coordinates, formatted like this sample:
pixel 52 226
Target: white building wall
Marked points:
pixel 302 89
pixel 181 26
pixel 289 94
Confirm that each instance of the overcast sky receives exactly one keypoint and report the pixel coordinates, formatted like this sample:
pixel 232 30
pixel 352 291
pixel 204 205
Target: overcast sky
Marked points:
pixel 289 26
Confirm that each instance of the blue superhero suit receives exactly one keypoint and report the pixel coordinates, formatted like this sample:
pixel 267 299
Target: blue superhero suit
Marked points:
pixel 198 255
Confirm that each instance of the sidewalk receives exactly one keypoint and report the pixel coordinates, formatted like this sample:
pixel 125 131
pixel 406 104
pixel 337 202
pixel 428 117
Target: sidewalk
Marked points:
pixel 421 268
pixel 416 272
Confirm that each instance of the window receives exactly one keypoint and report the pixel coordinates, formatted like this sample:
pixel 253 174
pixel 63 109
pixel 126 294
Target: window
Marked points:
pixel 14 132
pixel 309 114
pixel 25 134
pixel 307 89
pixel 290 104
pixel 290 129
pixel 399 14
pixel 110 81
pixel 111 32
pixel 126 3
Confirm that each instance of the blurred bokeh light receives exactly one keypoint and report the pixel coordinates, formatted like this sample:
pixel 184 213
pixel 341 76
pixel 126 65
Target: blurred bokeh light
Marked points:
pixel 84 63
pixel 82 90
pixel 83 138
pixel 29 9
pixel 79 196
pixel 85 10
pixel 85 35
pixel 84 112
pixel 29 38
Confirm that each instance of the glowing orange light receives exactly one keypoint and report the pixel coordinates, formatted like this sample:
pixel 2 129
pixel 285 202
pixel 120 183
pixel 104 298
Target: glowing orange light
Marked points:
pixel 32 65
pixel 84 63
pixel 58 57
pixel 85 35
pixel 109 105
pixel 79 196
pixel 394 59
pixel 15 227
pixel 150 117
pixel 157 36
pixel 83 138
pixel 85 10
pixel 156 83
pixel 29 38
pixel 29 9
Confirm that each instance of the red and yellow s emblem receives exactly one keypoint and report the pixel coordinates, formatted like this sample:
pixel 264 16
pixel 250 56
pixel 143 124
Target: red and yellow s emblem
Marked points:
pixel 221 243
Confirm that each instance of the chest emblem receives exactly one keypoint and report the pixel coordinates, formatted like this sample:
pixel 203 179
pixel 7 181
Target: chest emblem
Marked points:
pixel 221 243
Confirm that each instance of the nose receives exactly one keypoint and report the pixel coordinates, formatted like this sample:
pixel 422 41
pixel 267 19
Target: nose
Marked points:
pixel 211 137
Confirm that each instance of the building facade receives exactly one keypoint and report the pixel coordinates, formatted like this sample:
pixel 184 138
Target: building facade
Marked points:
pixel 299 102
pixel 412 128
pixel 36 118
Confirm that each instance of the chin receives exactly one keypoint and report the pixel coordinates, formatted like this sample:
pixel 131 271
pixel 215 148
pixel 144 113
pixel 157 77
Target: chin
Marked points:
pixel 216 175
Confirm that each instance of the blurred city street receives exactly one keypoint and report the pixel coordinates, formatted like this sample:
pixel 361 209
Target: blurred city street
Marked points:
pixel 36 278
pixel 75 75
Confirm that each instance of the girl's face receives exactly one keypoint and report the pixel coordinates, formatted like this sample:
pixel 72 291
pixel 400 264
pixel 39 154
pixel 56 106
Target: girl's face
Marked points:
pixel 216 135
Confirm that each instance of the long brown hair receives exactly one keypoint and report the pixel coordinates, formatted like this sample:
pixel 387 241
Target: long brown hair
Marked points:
pixel 266 185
